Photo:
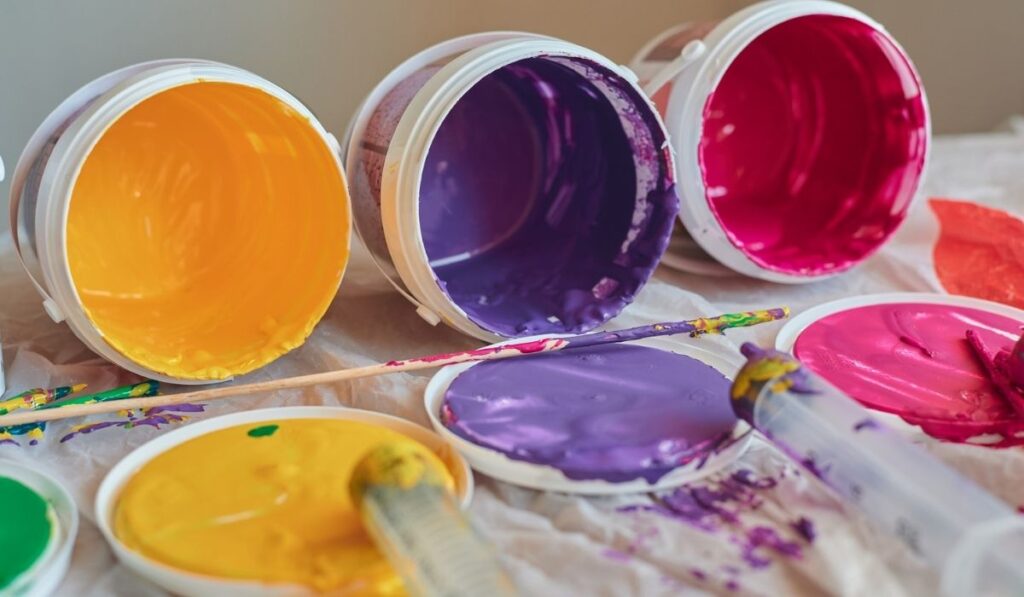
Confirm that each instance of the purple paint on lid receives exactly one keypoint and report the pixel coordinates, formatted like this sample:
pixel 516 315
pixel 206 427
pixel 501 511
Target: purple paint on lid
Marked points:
pixel 546 199
pixel 615 412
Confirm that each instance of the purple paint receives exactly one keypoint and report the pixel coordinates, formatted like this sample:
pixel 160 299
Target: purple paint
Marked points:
pixel 865 424
pixel 722 505
pixel 546 199
pixel 805 528
pixel 616 412
pixel 760 541
pixel 146 417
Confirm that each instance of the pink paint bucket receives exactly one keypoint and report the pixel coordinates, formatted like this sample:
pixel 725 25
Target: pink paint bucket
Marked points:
pixel 801 133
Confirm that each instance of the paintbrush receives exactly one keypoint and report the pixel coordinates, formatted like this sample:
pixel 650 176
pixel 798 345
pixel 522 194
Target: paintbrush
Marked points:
pixel 693 327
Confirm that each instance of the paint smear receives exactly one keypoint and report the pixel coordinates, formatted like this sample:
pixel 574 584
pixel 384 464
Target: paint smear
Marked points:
pixel 813 144
pixel 155 417
pixel 26 529
pixel 934 381
pixel 721 506
pixel 980 251
pixel 207 231
pixel 616 412
pixel 272 507
pixel 546 199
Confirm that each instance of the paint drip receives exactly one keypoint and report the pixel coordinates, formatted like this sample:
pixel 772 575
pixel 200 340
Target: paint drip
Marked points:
pixel 546 199
pixel 615 413
pixel 27 528
pixel 913 360
pixel 263 502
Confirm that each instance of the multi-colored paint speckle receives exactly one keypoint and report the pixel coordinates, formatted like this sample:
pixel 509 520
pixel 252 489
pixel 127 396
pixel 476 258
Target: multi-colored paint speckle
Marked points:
pixel 30 400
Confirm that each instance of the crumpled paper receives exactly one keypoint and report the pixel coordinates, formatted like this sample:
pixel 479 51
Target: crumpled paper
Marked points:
pixel 741 531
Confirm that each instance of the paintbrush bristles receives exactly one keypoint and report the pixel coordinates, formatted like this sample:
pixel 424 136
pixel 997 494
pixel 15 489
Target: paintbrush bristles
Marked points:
pixel 692 327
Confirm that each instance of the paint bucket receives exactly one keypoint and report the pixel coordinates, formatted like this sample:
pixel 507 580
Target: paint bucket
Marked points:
pixel 800 130
pixel 549 478
pixel 182 582
pixel 511 184
pixel 190 219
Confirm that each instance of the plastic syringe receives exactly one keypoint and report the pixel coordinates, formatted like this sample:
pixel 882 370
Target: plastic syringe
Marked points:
pixel 414 519
pixel 973 539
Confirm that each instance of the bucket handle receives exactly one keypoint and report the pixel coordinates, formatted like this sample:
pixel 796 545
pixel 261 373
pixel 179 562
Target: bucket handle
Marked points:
pixel 688 56
pixel 49 305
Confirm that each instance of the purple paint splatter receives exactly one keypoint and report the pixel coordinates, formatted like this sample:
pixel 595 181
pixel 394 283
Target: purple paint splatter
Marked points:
pixel 721 505
pixel 805 528
pixel 759 541
pixel 153 417
pixel 865 424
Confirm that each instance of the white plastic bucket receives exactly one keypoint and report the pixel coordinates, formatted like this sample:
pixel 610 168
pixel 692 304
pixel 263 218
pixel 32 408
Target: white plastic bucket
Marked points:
pixel 474 192
pixel 163 203
pixel 801 134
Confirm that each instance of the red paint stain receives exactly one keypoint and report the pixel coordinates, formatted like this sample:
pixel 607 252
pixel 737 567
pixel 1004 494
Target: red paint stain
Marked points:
pixel 980 251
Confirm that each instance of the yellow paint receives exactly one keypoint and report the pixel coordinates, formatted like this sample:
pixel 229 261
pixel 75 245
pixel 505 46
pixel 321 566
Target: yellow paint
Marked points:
pixel 208 231
pixel 273 507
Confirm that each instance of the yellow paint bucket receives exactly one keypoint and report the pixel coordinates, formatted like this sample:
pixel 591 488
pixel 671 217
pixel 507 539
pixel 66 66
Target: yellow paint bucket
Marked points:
pixel 190 219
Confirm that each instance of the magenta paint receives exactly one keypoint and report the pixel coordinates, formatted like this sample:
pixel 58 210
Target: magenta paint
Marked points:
pixel 545 196
pixel 801 133
pixel 934 381
pixel 615 413
pixel 528 205
pixel 810 143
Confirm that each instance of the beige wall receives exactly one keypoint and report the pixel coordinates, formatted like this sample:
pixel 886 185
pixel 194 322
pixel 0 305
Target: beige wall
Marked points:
pixel 330 53
pixel 968 53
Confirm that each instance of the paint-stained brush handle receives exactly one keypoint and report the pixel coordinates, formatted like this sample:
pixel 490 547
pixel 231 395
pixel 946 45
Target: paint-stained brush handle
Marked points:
pixel 692 327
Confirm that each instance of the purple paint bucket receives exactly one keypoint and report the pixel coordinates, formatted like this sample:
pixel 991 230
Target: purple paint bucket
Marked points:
pixel 801 134
pixel 511 184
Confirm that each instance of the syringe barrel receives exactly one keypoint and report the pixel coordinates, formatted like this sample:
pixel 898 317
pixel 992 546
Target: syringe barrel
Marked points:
pixel 932 508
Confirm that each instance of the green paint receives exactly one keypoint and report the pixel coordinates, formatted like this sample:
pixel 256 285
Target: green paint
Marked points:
pixel 25 529
pixel 138 390
pixel 263 431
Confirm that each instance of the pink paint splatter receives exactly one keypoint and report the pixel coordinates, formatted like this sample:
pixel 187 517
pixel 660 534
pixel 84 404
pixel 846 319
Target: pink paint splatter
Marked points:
pixel 530 347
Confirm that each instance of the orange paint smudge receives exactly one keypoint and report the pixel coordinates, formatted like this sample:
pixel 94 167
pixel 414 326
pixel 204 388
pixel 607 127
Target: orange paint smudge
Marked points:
pixel 980 251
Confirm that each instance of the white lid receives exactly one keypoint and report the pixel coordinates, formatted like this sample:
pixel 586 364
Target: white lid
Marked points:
pixel 182 582
pixel 537 476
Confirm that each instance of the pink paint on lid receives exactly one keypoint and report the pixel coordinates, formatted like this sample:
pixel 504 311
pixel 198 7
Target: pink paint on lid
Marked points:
pixel 912 359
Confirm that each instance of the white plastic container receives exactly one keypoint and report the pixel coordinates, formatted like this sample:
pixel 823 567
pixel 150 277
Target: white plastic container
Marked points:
pixel 49 571
pixel 394 175
pixel 181 582
pixel 801 133
pixel 547 478
pixel 258 135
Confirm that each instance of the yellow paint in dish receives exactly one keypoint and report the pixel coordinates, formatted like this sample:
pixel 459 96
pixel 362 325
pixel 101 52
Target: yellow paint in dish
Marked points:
pixel 208 230
pixel 263 502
